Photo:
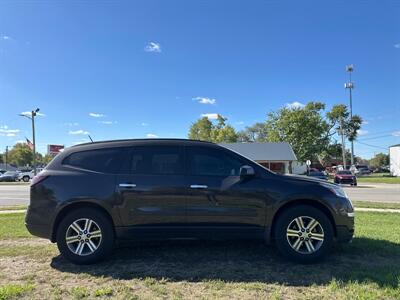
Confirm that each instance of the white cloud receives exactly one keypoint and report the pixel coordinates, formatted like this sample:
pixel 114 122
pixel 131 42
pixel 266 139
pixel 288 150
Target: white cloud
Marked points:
pixel 397 45
pixel 205 100
pixel 96 115
pixel 239 123
pixel 29 114
pixel 365 122
pixel 4 131
pixel 151 135
pixel 211 116
pixel 294 105
pixel 396 133
pixel 362 132
pixel 153 47
pixel 108 122
pixel 144 124
pixel 76 132
pixel 5 37
pixel 71 124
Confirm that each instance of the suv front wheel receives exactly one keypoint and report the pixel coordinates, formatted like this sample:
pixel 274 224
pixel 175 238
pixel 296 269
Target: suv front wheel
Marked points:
pixel 303 234
pixel 85 236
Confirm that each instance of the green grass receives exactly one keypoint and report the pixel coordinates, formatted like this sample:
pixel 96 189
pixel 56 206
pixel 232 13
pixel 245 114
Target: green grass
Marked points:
pixel 382 205
pixel 13 291
pixel 379 178
pixel 13 226
pixel 13 207
pixel 368 268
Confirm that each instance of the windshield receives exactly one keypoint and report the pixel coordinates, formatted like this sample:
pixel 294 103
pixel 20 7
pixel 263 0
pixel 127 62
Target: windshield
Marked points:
pixel 344 173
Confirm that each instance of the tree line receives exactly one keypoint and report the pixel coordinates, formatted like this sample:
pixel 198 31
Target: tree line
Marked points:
pixel 310 130
pixel 20 155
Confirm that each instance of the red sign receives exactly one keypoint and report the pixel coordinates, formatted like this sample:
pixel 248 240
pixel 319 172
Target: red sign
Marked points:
pixel 54 149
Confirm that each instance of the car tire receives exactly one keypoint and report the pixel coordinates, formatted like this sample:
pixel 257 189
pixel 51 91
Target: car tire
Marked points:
pixel 25 178
pixel 90 235
pixel 287 234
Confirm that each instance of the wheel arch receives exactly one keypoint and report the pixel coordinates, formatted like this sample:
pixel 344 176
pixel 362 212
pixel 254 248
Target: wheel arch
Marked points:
pixel 314 203
pixel 74 206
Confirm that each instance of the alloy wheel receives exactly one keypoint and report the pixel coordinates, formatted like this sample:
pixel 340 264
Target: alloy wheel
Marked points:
pixel 305 235
pixel 83 237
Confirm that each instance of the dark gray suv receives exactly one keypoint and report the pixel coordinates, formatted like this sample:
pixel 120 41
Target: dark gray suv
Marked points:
pixel 93 194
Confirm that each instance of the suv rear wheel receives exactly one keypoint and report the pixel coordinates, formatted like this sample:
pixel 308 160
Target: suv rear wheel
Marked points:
pixel 303 234
pixel 85 236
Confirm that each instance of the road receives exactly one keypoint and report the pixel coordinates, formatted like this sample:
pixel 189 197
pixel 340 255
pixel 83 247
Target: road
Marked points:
pixel 389 193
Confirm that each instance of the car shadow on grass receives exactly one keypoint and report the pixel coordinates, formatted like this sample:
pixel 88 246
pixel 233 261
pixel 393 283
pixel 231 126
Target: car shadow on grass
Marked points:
pixel 365 260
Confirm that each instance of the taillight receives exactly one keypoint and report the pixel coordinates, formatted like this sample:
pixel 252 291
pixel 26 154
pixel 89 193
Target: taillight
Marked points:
pixel 38 178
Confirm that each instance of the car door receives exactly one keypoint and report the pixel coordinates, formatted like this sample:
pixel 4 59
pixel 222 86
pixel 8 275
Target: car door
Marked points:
pixel 153 192
pixel 218 196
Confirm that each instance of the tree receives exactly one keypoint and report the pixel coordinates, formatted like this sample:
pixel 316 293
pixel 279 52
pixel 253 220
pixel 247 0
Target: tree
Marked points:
pixel 309 132
pixel 379 160
pixel 340 116
pixel 20 155
pixel 204 130
pixel 1 157
pixel 302 127
pixel 254 133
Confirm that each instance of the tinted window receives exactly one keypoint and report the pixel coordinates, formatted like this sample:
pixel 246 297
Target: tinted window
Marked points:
pixel 157 160
pixel 213 162
pixel 316 174
pixel 104 160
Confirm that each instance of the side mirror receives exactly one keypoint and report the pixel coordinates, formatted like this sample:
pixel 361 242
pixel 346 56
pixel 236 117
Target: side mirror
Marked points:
pixel 246 171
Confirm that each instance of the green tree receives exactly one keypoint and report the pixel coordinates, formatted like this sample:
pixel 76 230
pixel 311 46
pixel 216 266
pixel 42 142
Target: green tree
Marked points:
pixel 254 133
pixel 1 157
pixel 302 127
pixel 379 160
pixel 203 129
pixel 20 155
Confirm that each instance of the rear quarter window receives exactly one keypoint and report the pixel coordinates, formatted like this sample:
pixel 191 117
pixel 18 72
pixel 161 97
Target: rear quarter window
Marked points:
pixel 103 160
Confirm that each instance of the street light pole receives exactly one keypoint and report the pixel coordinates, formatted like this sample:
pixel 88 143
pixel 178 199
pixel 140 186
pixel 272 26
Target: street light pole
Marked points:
pixel 343 145
pixel 6 158
pixel 32 118
pixel 349 85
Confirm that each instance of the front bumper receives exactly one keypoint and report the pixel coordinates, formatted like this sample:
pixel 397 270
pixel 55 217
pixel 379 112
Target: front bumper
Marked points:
pixel 344 234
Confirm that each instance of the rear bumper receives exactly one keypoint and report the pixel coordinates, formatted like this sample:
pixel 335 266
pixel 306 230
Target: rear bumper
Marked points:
pixel 39 230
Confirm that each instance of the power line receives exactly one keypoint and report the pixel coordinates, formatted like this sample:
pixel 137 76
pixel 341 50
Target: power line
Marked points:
pixel 374 146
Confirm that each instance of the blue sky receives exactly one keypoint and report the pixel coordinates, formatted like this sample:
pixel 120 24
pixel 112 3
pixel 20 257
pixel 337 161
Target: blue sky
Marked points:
pixel 150 68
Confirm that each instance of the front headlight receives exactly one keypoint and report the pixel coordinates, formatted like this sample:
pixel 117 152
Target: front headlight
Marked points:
pixel 337 190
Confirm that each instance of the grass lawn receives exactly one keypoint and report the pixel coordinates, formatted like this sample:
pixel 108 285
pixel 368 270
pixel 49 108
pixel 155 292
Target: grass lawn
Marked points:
pixel 366 269
pixel 379 178
pixel 13 207
pixel 367 204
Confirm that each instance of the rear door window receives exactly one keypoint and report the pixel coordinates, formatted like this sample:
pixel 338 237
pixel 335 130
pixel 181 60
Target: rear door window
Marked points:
pixel 157 160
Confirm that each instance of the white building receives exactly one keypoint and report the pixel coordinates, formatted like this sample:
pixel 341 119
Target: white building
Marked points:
pixel 394 154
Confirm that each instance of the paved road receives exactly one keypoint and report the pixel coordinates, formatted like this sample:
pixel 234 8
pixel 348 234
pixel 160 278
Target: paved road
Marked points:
pixel 389 193
pixel 14 194
pixel 19 194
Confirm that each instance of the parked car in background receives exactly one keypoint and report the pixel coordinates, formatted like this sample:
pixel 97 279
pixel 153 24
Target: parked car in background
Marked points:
pixel 26 176
pixel 2 172
pixel 93 194
pixel 318 174
pixel 9 176
pixel 345 177
pixel 363 171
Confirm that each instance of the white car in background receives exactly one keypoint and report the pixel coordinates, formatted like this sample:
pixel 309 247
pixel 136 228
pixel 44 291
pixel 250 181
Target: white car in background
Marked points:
pixel 28 175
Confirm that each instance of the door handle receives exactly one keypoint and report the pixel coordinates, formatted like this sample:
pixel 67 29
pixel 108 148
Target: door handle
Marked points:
pixel 198 186
pixel 127 185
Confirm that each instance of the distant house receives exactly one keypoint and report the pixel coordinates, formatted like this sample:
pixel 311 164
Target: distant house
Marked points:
pixel 278 157
pixel 394 155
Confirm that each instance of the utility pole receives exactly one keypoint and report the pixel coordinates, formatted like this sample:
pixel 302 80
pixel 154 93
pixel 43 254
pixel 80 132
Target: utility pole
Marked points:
pixel 341 131
pixel 32 118
pixel 349 85
pixel 6 158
